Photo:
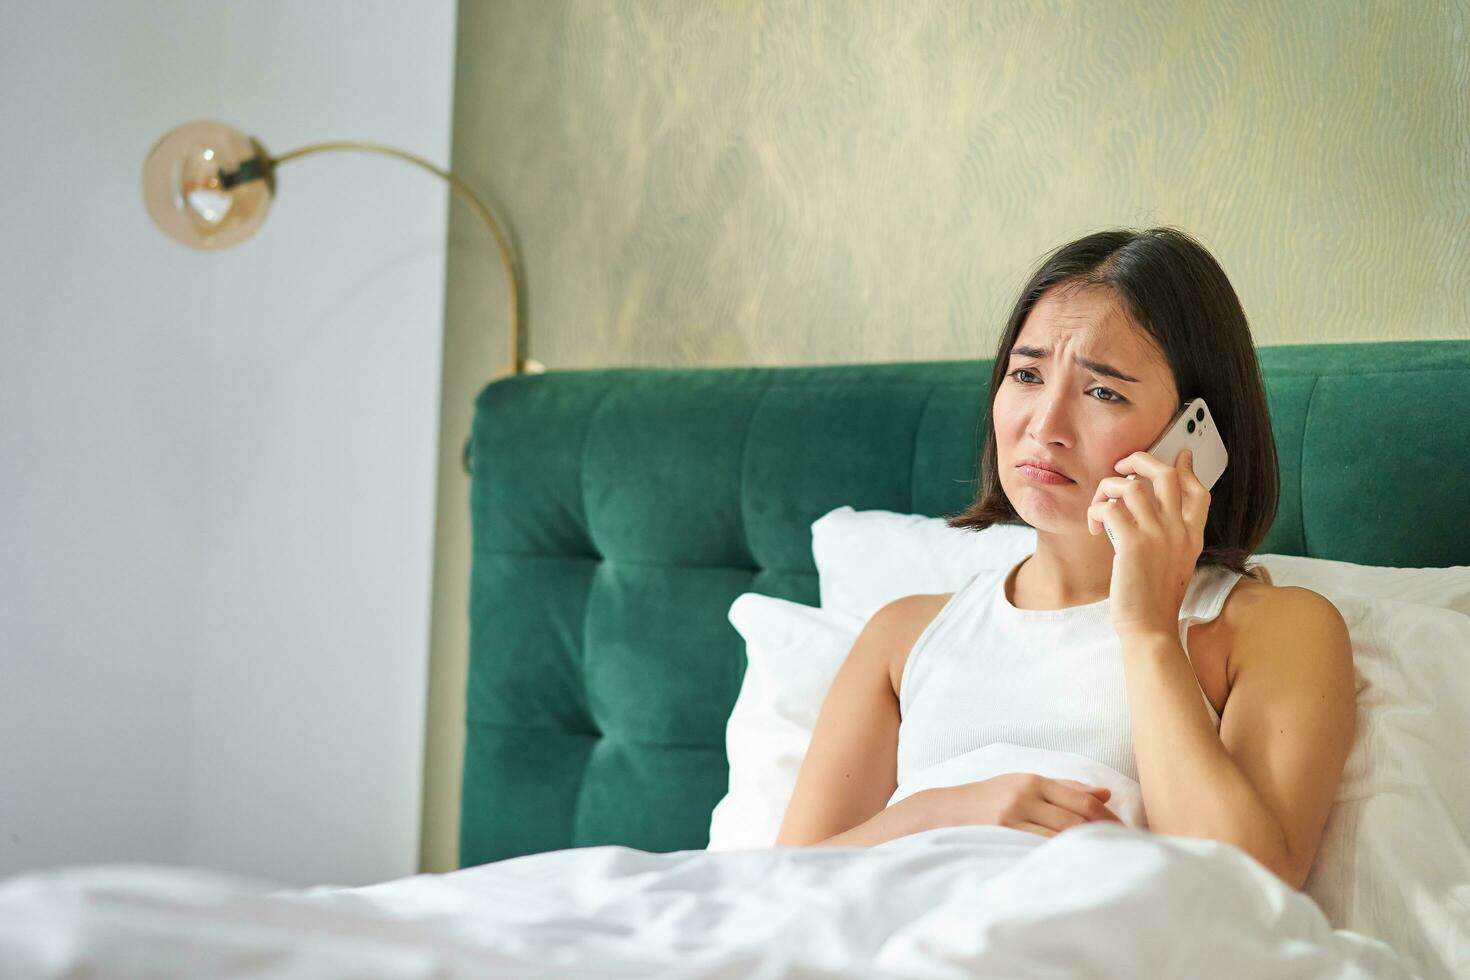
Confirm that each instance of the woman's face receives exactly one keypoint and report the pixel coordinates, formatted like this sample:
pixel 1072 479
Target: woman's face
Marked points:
pixel 1077 418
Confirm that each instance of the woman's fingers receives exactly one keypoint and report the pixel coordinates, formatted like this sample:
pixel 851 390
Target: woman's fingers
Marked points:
pixel 1102 791
pixel 1080 802
pixel 1058 818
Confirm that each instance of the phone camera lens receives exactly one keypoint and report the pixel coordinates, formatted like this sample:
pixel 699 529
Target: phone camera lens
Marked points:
pixel 1199 414
pixel 1190 426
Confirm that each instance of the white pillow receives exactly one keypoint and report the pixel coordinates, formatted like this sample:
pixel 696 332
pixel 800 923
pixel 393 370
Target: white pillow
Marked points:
pixel 1443 588
pixel 1394 861
pixel 792 652
pixel 867 558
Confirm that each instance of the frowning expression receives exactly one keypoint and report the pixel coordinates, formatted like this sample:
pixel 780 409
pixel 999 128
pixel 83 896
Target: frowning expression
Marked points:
pixel 1085 386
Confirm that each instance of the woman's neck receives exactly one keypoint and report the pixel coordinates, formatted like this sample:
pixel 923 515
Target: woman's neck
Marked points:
pixel 1049 580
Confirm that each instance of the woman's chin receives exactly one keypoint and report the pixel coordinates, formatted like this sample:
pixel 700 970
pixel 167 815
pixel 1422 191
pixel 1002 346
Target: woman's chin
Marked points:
pixel 1044 515
pixel 1039 507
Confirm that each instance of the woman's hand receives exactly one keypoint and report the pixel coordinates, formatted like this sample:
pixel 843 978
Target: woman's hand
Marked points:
pixel 1021 800
pixel 1156 539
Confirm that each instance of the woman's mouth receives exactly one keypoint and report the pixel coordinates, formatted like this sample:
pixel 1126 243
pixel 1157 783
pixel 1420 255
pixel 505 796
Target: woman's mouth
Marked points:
pixel 1038 475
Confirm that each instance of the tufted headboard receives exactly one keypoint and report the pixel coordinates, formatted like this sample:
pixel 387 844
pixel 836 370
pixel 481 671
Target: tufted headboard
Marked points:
pixel 618 513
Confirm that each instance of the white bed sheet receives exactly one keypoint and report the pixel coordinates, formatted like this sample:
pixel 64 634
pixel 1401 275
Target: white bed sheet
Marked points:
pixel 1099 900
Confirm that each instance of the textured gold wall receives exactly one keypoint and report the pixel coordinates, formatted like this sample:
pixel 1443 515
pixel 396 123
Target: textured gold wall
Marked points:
pixel 812 182
pixel 802 182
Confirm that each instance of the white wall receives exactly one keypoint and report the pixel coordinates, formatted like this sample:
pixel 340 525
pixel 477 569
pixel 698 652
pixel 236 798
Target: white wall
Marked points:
pixel 217 470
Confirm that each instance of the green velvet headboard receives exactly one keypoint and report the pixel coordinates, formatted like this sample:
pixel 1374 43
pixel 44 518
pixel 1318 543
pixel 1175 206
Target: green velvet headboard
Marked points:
pixel 618 513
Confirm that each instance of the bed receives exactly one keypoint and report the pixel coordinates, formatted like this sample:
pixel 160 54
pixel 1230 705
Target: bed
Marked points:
pixel 617 515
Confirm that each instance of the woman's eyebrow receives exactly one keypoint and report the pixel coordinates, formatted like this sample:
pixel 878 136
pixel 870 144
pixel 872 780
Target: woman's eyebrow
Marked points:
pixel 1096 367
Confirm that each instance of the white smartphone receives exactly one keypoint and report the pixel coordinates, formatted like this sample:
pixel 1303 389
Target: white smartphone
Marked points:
pixel 1192 428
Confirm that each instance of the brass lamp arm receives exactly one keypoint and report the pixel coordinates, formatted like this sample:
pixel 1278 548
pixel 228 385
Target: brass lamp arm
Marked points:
pixel 481 211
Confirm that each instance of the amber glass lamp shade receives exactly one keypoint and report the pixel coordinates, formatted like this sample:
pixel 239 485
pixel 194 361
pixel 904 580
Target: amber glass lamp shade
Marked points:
pixel 208 185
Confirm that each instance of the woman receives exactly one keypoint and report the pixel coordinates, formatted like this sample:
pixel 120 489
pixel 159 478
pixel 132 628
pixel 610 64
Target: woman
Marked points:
pixel 1232 699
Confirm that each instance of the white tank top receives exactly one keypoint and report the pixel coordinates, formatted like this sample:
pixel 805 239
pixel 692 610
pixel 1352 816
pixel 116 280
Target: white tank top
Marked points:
pixel 984 671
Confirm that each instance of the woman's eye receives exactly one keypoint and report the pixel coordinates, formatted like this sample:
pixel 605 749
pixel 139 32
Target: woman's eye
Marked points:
pixel 1113 396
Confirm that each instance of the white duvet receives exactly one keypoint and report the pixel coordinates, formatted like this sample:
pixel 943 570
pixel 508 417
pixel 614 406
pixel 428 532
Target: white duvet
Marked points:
pixel 1099 900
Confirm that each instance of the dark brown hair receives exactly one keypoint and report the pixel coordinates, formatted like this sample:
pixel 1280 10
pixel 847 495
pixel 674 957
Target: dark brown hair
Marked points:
pixel 1176 291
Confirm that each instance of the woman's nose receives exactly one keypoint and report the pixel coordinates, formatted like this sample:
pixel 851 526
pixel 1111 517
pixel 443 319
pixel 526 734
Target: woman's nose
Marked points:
pixel 1050 423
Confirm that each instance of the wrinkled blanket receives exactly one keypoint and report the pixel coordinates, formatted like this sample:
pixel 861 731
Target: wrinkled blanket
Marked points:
pixel 1099 900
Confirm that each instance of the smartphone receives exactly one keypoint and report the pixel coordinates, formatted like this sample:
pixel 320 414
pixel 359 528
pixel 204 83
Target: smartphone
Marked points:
pixel 1192 428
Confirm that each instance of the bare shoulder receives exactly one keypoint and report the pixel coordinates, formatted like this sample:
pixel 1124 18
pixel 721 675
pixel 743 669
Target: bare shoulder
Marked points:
pixel 1259 616
pixel 901 622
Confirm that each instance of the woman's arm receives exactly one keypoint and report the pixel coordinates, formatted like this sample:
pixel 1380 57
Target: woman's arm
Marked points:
pixel 1266 781
pixel 908 816
pixel 850 769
